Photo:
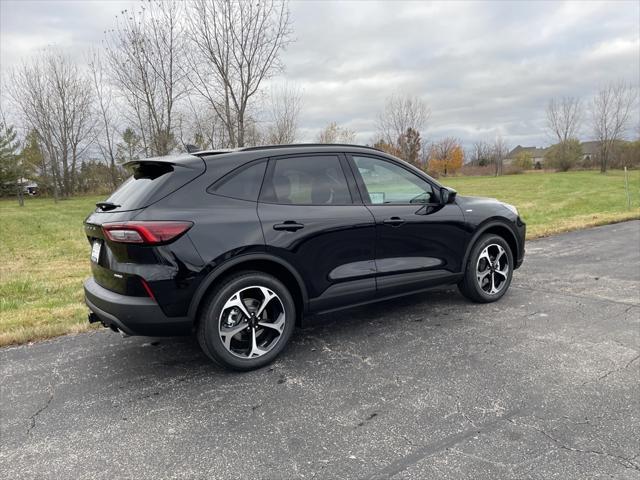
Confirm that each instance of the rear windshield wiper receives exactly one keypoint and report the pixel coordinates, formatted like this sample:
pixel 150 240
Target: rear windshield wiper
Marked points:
pixel 106 206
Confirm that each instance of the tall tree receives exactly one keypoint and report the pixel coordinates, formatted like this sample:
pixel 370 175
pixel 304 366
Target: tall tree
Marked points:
pixel 130 146
pixel 399 114
pixel 106 132
pixel 410 146
pixel 563 123
pixel 11 174
pixel 237 46
pixel 611 113
pixel 55 99
pixel 286 102
pixel 499 151
pixel 563 118
pixel 145 53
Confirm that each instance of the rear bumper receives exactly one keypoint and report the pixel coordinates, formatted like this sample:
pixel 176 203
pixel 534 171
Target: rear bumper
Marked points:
pixel 132 315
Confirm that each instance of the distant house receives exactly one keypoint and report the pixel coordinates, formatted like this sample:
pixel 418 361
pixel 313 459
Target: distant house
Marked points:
pixel 536 154
pixel 590 152
pixel 28 187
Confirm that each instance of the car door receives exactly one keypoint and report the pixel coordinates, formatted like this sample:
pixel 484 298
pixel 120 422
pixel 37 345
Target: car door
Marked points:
pixel 419 241
pixel 312 217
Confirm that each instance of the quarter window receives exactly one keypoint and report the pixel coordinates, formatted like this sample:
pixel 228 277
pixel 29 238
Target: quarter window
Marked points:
pixel 387 183
pixel 315 180
pixel 243 184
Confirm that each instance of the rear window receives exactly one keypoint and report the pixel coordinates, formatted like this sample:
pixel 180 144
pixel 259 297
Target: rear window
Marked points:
pixel 149 183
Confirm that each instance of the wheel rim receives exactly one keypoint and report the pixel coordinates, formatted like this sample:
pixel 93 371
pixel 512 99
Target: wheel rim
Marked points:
pixel 492 269
pixel 251 322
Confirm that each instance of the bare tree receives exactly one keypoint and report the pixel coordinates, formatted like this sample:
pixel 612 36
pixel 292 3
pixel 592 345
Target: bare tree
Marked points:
pixel 563 118
pixel 237 46
pixel 145 53
pixel 103 99
pixel 333 133
pixel 611 114
pixel 480 153
pixel 286 102
pixel 401 113
pixel 499 151
pixel 199 125
pixel 563 122
pixel 55 99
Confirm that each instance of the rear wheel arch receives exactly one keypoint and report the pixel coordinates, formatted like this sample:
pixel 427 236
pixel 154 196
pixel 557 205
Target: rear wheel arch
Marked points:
pixel 495 227
pixel 262 263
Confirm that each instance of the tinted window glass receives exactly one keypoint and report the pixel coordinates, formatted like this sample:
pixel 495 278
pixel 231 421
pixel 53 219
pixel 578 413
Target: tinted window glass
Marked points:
pixel 150 182
pixel 243 184
pixel 307 181
pixel 388 183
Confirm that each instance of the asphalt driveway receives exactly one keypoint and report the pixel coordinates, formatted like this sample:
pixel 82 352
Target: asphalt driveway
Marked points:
pixel 543 384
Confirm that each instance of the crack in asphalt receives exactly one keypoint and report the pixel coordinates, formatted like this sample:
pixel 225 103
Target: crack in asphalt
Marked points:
pixel 446 443
pixel 610 372
pixel 624 461
pixel 561 293
pixel 32 418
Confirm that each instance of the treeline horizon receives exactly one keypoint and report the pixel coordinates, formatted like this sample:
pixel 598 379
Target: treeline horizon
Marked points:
pixel 172 74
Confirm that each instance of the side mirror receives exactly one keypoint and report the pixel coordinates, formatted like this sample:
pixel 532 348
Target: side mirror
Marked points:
pixel 447 195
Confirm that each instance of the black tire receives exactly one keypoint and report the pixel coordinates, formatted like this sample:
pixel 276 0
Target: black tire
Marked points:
pixel 470 285
pixel 208 332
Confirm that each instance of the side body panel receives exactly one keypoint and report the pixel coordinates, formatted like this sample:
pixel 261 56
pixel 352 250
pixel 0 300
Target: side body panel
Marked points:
pixel 333 253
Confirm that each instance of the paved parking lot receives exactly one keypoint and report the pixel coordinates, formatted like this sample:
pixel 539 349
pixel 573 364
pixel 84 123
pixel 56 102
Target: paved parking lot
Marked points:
pixel 544 384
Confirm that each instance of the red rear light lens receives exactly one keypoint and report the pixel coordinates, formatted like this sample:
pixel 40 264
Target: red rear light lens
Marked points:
pixel 146 233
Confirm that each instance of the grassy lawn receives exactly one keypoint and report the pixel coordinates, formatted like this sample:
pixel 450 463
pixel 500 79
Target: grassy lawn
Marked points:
pixel 559 202
pixel 43 261
pixel 44 255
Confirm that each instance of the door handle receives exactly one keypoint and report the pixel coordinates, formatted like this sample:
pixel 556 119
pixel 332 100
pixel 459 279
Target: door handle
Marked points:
pixel 288 226
pixel 393 221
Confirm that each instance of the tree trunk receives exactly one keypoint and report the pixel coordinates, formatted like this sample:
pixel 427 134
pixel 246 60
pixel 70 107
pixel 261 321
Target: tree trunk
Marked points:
pixel 20 192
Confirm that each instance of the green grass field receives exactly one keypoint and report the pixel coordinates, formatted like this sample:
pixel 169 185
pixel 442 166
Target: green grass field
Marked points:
pixel 44 255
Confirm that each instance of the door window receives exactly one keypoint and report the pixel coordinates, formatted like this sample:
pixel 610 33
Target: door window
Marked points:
pixel 314 180
pixel 387 183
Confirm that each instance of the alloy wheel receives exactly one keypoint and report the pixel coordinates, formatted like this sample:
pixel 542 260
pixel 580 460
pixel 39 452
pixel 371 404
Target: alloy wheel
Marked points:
pixel 251 322
pixel 492 269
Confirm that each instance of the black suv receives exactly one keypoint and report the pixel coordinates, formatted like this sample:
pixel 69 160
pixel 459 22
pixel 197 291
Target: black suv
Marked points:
pixel 239 245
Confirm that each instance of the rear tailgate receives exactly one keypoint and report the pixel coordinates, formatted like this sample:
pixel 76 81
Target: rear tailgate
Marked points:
pixel 115 266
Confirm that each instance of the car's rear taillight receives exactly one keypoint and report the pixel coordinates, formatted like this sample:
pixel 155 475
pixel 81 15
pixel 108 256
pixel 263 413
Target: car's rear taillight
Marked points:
pixel 145 232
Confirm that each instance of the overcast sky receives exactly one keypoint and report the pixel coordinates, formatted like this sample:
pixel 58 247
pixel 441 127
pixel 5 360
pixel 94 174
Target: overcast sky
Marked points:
pixel 484 68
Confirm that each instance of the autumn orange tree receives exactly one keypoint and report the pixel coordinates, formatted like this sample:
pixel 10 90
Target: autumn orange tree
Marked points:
pixel 446 156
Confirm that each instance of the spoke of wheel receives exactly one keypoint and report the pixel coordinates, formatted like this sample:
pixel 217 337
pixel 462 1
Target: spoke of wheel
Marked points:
pixel 503 272
pixel 236 301
pixel 485 255
pixel 268 296
pixel 493 284
pixel 482 275
pixel 255 350
pixel 501 252
pixel 278 325
pixel 228 334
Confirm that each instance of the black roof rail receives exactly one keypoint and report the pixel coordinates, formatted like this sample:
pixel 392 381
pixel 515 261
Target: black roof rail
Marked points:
pixel 278 147
pixel 219 151
pixel 297 145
